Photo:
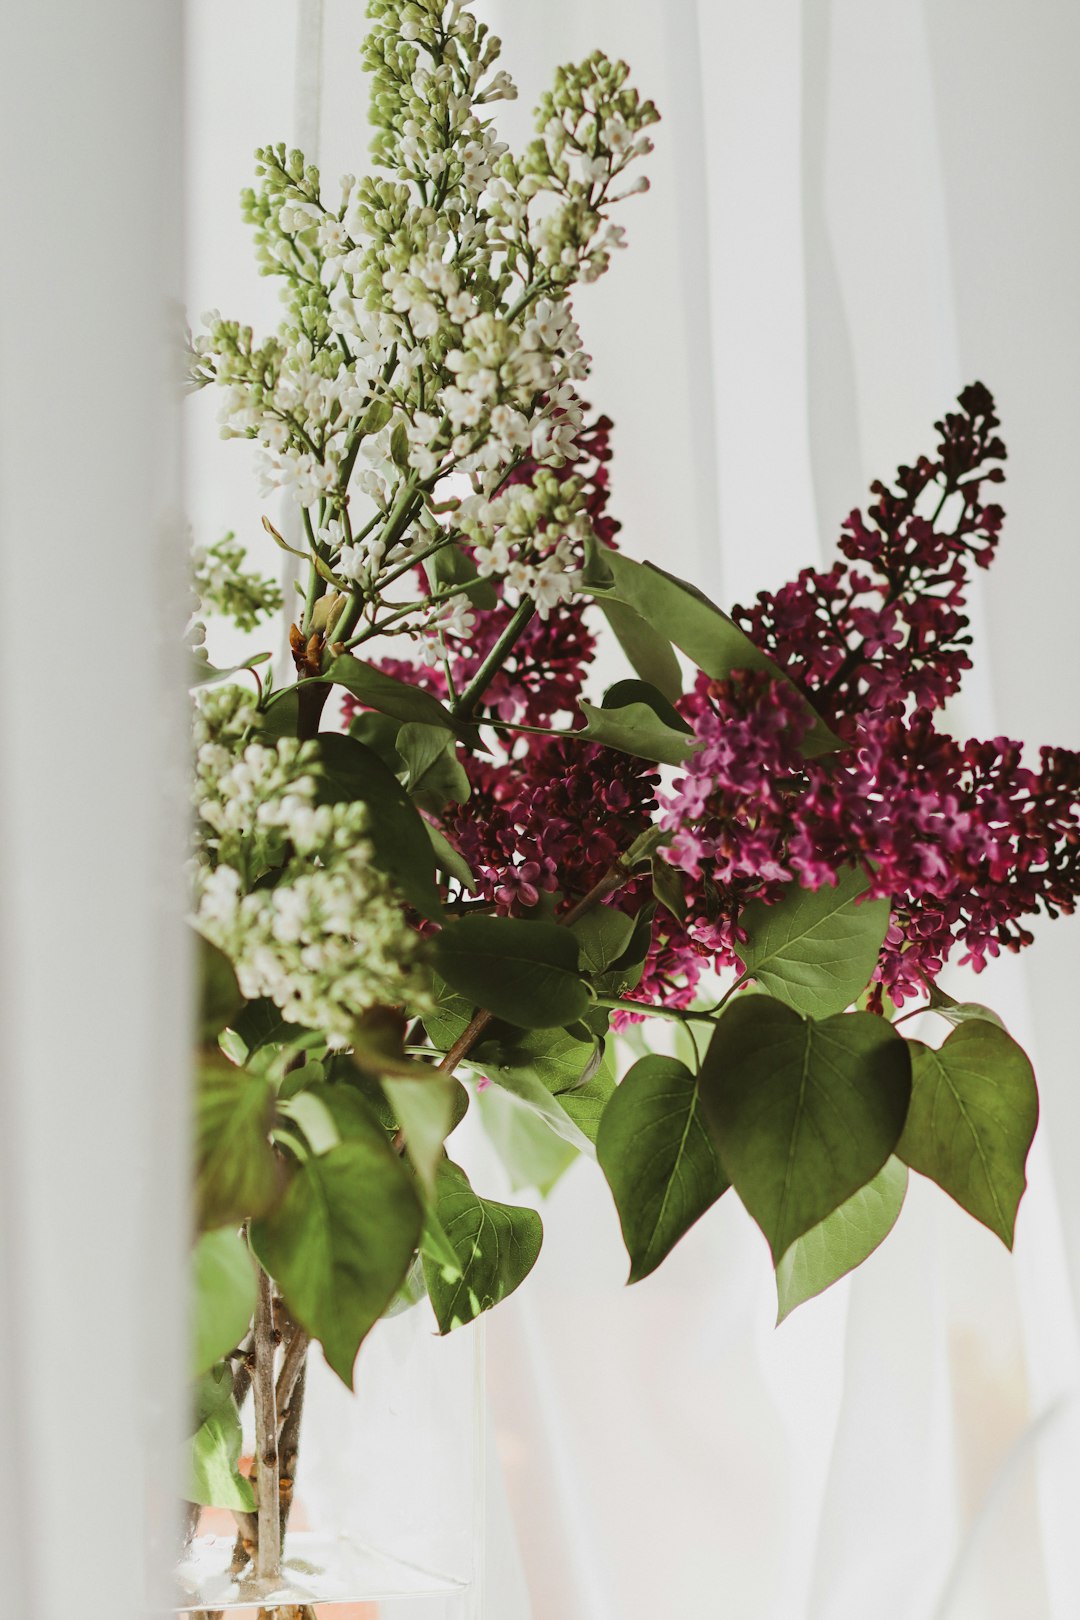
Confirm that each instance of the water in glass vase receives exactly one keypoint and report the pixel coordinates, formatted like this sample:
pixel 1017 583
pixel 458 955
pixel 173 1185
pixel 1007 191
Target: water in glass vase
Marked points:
pixel 380 1491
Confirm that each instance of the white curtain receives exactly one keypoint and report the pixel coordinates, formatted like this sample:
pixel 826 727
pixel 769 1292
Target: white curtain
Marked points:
pixel 93 976
pixel 856 208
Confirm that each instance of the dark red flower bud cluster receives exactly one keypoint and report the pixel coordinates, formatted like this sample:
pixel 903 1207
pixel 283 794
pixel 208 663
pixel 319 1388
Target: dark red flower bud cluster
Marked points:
pixel 963 838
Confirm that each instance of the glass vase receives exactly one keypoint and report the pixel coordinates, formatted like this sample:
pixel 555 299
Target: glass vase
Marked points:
pixel 387 1506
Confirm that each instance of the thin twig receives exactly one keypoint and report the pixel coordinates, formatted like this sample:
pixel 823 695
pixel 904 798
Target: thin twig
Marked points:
pixel 288 1448
pixel 268 1551
pixel 291 1365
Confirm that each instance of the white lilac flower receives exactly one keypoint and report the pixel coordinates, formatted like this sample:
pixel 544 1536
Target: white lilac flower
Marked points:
pixel 328 938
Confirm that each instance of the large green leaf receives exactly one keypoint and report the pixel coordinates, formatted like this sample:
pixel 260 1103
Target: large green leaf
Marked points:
pixel 353 773
pixel 842 1241
pixel 236 1171
pixel 637 719
pixel 603 934
pixel 530 1152
pixel 974 1109
pixel 649 652
pixel 802 1114
pixel 816 948
pixel 449 1015
pixel 559 1058
pixel 211 1472
pixel 530 1093
pixel 586 1103
pixel 496 1246
pixel 658 1158
pixel 525 972
pixel 341 1241
pixel 222 1295
pixel 685 616
pixel 387 694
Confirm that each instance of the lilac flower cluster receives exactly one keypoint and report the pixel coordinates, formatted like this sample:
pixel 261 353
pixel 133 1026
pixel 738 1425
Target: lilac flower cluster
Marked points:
pixel 964 838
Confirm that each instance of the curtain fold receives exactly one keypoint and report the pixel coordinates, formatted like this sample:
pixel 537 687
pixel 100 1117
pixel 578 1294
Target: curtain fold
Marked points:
pixel 856 208
pixel 94 985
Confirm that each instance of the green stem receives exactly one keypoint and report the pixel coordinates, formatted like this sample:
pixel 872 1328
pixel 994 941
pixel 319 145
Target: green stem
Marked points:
pixel 402 513
pixel 484 676
pixel 680 1014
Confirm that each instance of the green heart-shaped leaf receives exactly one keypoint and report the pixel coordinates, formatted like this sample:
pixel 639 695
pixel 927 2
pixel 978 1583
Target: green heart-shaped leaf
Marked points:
pixel 974 1109
pixel 816 948
pixel 340 1243
pixel 496 1246
pixel 802 1114
pixel 842 1241
pixel 658 1158
pixel 525 972
pixel 636 728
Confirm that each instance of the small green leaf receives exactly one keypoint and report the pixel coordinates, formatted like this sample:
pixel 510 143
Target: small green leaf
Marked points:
pixel 560 1059
pixel 816 948
pixel 525 972
pixel 802 1114
pixel 222 1295
pixel 436 777
pixel 842 1241
pixel 649 652
pixel 603 935
pixel 387 694
pixel 686 616
pixel 341 1241
pixel 212 1476
pixel 960 1012
pixel 261 1024
pixel 496 1246
pixel 450 566
pixel 375 417
pixel 658 1158
pixel 353 773
pixel 236 1171
pixel 669 887
pixel 307 1110
pixel 974 1109
pixel 221 998
pixel 378 1047
pixel 424 1109
pixel 399 447
pixel 636 728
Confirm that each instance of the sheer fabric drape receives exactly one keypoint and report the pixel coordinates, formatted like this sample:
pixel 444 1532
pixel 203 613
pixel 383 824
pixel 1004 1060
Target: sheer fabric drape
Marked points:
pixel 856 208
pixel 93 977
